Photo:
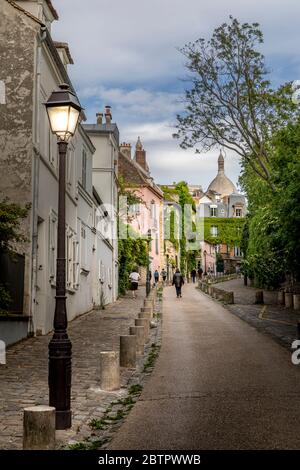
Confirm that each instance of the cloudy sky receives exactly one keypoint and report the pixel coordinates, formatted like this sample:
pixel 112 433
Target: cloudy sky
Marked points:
pixel 125 54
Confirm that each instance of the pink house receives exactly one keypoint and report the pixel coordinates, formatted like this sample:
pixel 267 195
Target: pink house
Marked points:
pixel 149 214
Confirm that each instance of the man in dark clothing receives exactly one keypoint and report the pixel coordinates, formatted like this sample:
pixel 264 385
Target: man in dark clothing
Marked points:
pixel 200 272
pixel 194 274
pixel 164 276
pixel 156 276
pixel 178 282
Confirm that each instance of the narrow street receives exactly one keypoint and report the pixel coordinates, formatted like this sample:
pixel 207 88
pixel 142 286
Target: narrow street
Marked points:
pixel 218 384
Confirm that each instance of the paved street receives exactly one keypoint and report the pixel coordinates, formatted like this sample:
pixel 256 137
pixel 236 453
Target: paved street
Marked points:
pixel 273 319
pixel 218 384
pixel 23 381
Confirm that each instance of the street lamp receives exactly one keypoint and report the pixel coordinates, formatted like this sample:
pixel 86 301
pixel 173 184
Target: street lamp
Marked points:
pixel 148 281
pixel 63 111
pixel 205 253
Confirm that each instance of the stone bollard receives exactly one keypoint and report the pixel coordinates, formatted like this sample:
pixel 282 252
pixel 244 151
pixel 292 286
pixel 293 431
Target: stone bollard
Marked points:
pixel 139 333
pixel 280 297
pixel 128 351
pixel 209 290
pixel 288 300
pixel 229 298
pixel 259 297
pixel 148 304
pixel 296 301
pixel 147 310
pixel 145 315
pixel 146 324
pixel 109 370
pixel 39 428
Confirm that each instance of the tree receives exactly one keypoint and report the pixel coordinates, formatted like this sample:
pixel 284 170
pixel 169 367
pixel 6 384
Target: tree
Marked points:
pixel 271 235
pixel 230 102
pixel 11 215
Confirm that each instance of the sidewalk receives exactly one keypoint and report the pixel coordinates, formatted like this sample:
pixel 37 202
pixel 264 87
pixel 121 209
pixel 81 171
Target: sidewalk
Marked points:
pixel 272 319
pixel 24 379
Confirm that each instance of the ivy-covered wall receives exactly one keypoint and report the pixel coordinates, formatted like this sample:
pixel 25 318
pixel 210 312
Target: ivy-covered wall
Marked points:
pixel 230 230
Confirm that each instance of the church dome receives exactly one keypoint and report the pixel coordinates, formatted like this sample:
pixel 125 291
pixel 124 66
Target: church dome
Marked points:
pixel 221 184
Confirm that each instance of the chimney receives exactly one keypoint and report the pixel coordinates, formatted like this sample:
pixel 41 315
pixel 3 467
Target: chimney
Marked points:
pixel 126 149
pixel 108 116
pixel 99 117
pixel 140 155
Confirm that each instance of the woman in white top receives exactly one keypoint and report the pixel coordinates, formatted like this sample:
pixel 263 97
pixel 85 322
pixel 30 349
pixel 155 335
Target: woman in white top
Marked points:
pixel 134 278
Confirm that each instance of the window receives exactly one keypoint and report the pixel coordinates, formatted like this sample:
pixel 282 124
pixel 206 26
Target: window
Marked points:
pixel 213 211
pixel 52 247
pixel 72 268
pixel 135 209
pixel 237 251
pixel 238 212
pixel 70 168
pixel 214 231
pixel 101 272
pixel 153 210
pixel 52 147
pixel 83 173
pixel 157 245
pixel 84 248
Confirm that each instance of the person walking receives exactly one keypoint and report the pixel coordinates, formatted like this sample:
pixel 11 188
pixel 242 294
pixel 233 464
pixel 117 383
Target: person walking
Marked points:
pixel 178 282
pixel 200 272
pixel 194 274
pixel 156 276
pixel 163 275
pixel 134 278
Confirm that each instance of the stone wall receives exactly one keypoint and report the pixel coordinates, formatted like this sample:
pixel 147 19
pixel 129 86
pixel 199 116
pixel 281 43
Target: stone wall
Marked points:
pixel 18 34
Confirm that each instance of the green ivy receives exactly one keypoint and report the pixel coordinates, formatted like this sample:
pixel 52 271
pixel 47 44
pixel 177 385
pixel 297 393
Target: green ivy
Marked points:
pixel 230 230
pixel 133 252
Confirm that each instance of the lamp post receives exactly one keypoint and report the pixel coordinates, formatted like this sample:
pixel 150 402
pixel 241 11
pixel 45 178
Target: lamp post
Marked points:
pixel 148 281
pixel 205 253
pixel 63 111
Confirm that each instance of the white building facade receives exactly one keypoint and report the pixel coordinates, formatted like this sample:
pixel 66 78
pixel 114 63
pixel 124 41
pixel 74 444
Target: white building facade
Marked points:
pixel 88 253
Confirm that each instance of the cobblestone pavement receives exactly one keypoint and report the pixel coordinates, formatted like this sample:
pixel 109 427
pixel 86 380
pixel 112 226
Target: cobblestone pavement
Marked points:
pixel 23 381
pixel 270 318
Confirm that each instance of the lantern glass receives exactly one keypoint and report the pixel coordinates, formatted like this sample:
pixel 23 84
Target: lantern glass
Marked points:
pixel 63 120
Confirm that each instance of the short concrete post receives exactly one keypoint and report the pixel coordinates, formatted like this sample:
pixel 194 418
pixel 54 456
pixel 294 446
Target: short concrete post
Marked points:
pixel 39 428
pixel 109 370
pixel 145 315
pixel 209 290
pixel 259 297
pixel 148 303
pixel 139 333
pixel 288 300
pixel 147 310
pixel 280 297
pixel 128 351
pixel 296 301
pixel 146 324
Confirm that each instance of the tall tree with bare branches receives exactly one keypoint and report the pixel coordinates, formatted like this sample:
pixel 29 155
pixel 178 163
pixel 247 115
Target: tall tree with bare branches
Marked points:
pixel 230 101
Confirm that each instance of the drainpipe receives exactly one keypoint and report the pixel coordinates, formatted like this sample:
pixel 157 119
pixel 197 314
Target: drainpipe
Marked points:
pixel 35 182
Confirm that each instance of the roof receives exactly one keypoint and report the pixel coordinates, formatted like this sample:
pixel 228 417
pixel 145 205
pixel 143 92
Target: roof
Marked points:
pixel 65 46
pixel 221 183
pixel 52 9
pixel 27 13
pixel 105 128
pixel 18 7
pixel 135 175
